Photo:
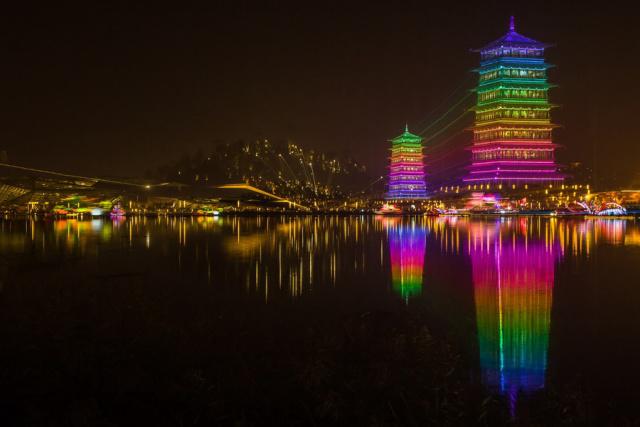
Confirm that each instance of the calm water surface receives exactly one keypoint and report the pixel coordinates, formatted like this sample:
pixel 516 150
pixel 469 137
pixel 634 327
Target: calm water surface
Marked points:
pixel 533 302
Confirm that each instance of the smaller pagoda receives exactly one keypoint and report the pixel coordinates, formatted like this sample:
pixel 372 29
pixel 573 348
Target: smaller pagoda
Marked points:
pixel 406 170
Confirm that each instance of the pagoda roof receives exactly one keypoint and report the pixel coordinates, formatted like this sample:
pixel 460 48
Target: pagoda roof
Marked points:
pixel 407 136
pixel 512 38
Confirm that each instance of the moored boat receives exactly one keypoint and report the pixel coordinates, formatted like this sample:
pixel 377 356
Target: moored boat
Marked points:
pixel 388 209
pixel 117 211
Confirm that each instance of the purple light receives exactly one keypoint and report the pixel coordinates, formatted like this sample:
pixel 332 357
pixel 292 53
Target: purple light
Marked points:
pixel 514 171
pixel 515 162
pixel 512 178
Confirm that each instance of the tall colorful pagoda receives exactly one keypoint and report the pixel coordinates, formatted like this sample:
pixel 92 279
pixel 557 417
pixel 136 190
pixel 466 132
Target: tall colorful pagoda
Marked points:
pixel 406 171
pixel 512 141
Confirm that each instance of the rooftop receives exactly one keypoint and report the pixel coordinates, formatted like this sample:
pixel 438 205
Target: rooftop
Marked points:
pixel 512 38
pixel 407 136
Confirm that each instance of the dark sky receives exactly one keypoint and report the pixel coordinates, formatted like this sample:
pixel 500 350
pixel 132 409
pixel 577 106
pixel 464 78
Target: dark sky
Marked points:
pixel 119 88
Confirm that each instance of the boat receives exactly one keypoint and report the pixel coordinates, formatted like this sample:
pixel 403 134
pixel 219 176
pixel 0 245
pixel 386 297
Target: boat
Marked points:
pixel 608 209
pixel 453 212
pixel 484 210
pixel 569 211
pixel 388 209
pixel 117 211
pixel 612 209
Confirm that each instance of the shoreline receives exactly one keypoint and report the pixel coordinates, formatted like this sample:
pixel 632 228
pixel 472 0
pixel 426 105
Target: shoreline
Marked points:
pixel 630 216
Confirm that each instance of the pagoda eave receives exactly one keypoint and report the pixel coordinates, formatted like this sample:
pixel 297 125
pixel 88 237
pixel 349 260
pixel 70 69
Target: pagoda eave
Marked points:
pixel 489 107
pixel 516 124
pixel 516 101
pixel 524 45
pixel 512 144
pixel 510 84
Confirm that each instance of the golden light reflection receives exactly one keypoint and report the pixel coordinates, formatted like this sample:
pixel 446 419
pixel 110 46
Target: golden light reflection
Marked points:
pixel 295 255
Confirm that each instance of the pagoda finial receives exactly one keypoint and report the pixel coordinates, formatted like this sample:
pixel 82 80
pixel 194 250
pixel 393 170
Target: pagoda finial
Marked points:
pixel 512 23
pixel 406 127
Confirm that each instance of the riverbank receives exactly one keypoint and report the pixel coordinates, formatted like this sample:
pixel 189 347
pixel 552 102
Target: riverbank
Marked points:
pixel 631 214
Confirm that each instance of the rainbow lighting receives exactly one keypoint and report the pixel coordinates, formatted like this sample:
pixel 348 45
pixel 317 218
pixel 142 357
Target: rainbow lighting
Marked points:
pixel 513 282
pixel 406 171
pixel 512 141
pixel 407 244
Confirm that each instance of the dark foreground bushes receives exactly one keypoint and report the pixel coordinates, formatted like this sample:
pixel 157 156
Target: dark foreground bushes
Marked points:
pixel 122 351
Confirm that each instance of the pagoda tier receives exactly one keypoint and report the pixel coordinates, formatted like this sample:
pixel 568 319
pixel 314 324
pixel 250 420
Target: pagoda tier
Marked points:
pixel 406 169
pixel 512 132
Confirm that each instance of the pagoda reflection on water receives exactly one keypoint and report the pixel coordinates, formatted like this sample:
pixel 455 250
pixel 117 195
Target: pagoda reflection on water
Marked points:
pixel 407 244
pixel 513 280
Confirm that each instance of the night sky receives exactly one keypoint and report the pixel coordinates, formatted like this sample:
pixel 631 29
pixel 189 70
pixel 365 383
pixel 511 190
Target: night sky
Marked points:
pixel 117 89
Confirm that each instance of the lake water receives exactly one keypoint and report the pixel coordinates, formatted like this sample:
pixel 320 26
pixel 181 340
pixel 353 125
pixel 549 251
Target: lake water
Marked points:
pixel 532 303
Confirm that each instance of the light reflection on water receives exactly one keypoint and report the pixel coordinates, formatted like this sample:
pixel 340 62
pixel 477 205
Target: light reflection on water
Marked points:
pixel 407 241
pixel 512 261
pixel 513 279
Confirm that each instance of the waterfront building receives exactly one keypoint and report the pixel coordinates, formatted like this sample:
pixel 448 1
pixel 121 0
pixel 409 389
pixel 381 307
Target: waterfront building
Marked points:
pixel 512 133
pixel 406 169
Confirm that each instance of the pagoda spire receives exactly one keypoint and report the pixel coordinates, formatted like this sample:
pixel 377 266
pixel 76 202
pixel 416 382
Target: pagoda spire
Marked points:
pixel 512 24
pixel 406 127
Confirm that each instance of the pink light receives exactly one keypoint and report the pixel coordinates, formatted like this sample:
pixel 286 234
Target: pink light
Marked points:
pixel 515 142
pixel 515 171
pixel 513 162
pixel 488 128
pixel 395 169
pixel 476 150
pixel 509 178
pixel 406 173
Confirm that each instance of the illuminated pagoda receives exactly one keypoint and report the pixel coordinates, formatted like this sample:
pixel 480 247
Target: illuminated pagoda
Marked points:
pixel 512 133
pixel 406 171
